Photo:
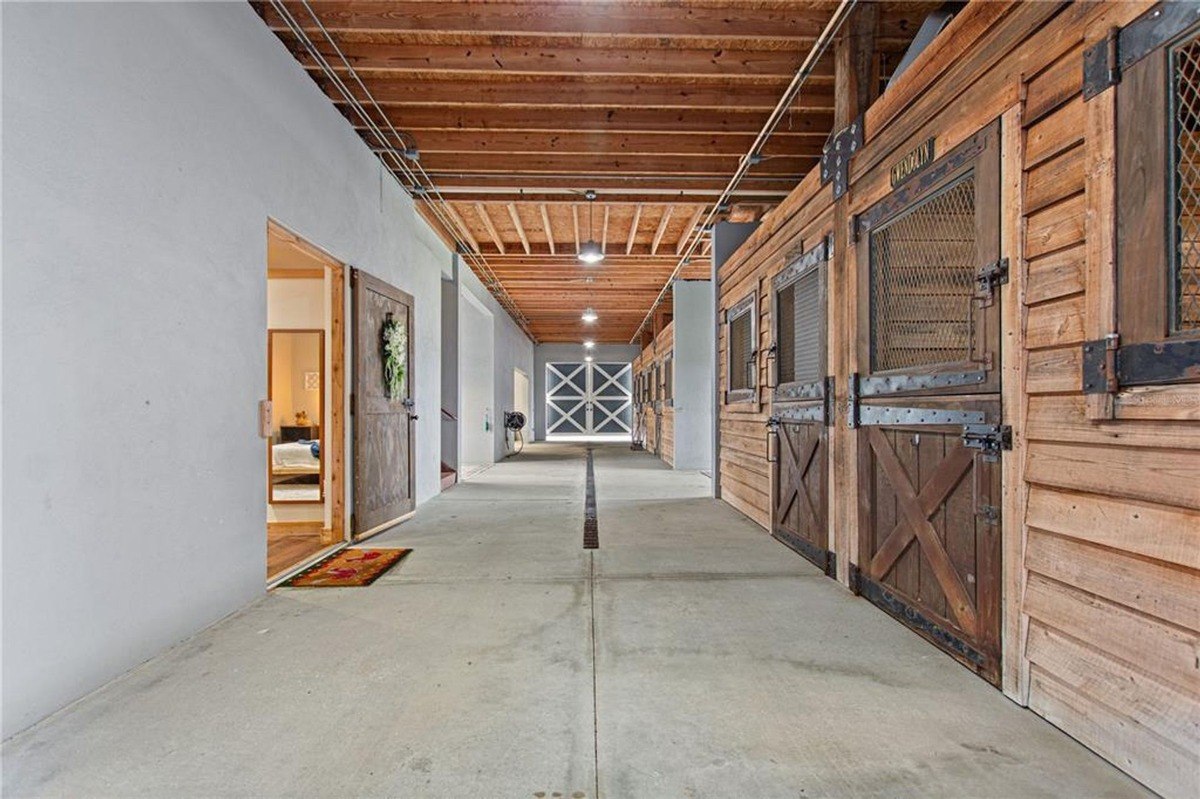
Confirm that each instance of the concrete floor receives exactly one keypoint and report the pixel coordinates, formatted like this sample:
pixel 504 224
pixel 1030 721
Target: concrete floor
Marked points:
pixel 690 656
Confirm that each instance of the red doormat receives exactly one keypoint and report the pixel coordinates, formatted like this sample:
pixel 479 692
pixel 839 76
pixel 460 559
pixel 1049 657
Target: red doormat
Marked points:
pixel 348 568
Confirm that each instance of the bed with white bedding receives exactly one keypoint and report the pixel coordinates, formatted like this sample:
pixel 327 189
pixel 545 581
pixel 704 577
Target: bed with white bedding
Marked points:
pixel 295 457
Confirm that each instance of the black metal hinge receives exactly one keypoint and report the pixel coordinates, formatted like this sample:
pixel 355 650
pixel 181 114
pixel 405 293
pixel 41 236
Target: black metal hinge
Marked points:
pixel 835 156
pixel 1100 68
pixel 1107 365
pixel 990 439
pixel 830 405
pixel 1105 61
pixel 852 400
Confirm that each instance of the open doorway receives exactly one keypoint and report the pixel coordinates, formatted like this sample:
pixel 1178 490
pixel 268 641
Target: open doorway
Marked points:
pixel 476 398
pixel 305 451
pixel 521 404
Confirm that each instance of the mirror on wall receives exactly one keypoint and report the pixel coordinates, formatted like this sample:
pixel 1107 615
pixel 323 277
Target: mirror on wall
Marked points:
pixel 296 386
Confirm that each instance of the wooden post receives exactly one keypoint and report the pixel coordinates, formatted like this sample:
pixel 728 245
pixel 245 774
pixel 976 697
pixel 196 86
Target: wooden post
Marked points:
pixel 854 91
pixel 1015 673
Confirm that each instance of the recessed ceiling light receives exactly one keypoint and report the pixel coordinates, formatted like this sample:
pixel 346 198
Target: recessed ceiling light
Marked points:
pixel 589 315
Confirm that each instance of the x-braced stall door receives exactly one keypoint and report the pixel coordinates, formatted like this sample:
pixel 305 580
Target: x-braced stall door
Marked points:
pixel 798 437
pixel 589 398
pixel 928 405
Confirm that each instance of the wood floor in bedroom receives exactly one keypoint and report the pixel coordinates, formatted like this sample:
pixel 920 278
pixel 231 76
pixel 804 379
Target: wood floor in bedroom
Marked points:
pixel 287 546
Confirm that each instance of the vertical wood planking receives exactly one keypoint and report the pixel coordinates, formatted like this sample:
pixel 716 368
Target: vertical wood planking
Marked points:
pixel 1012 367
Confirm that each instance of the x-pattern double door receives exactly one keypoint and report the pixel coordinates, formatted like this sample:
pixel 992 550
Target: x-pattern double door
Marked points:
pixel 585 398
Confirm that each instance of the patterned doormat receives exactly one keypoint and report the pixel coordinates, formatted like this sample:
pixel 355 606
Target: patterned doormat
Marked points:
pixel 348 568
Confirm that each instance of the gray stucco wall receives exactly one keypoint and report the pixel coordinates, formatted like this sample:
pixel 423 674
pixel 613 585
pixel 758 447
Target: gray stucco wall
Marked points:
pixel 145 146
pixel 695 373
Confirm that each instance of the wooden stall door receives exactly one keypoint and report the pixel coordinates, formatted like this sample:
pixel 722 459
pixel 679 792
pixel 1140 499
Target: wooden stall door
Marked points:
pixel 382 412
pixel 799 449
pixel 928 411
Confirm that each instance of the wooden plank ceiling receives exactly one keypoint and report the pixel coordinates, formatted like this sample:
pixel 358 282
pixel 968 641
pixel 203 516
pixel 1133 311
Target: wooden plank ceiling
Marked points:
pixel 518 108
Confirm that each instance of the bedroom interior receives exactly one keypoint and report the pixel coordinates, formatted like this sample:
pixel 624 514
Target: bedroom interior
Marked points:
pixel 300 326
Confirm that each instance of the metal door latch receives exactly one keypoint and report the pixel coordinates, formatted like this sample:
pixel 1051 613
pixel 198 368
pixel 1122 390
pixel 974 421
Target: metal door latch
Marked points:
pixel 989 277
pixel 989 439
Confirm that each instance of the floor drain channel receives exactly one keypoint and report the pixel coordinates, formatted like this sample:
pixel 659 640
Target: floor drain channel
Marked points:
pixel 591 530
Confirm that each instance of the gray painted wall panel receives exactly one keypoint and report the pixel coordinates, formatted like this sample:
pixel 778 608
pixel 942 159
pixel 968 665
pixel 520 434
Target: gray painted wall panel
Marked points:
pixel 695 373
pixel 144 148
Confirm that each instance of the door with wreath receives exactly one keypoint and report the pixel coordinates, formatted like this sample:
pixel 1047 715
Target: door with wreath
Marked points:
pixel 382 404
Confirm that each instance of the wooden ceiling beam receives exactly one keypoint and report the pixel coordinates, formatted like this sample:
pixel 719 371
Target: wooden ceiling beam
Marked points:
pixel 662 228
pixel 372 59
pixel 678 19
pixel 491 228
pixel 417 119
pixel 546 226
pixel 575 217
pixel 604 231
pixel 633 226
pixel 665 92
pixel 612 197
pixel 516 220
pixel 705 145
pixel 534 164
pixel 686 235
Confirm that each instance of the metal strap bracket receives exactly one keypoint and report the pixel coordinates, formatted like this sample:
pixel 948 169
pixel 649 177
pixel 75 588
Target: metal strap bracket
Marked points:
pixel 1108 365
pixel 1105 61
pixel 878 415
pixel 807 413
pixel 894 384
pixel 835 157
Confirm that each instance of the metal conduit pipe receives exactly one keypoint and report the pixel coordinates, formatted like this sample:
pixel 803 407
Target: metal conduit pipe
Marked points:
pixel 753 154
pixel 423 187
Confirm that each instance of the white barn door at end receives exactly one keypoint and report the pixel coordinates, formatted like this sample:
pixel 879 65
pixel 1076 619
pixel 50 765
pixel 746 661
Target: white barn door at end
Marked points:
pixel 589 399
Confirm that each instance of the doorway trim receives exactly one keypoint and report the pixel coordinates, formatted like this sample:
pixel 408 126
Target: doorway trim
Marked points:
pixel 336 344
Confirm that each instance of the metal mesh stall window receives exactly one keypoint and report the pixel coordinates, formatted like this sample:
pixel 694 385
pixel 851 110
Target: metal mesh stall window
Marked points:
pixel 799 307
pixel 1185 280
pixel 740 362
pixel 923 267
pixel 669 378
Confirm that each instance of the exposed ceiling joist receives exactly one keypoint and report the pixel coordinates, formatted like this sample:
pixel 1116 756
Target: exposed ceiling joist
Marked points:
pixel 489 226
pixel 517 108
pixel 549 230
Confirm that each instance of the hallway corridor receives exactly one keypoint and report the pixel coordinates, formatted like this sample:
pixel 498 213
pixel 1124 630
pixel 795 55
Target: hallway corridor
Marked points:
pixel 690 655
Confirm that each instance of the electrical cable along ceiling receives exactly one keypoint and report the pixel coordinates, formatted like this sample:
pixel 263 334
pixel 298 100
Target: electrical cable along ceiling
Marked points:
pixel 501 118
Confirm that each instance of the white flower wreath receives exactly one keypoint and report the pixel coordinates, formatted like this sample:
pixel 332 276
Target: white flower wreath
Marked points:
pixel 395 357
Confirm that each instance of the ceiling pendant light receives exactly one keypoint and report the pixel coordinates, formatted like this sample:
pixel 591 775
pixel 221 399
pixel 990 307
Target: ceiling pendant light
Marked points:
pixel 590 252
pixel 589 315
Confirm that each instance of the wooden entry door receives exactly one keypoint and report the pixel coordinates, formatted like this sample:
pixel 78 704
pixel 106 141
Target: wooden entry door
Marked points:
pixel 382 404
pixel 928 410
pixel 798 440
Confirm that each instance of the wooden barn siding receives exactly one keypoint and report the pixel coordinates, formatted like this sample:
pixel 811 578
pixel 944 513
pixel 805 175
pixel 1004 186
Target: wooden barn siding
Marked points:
pixel 664 343
pixel 1102 516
